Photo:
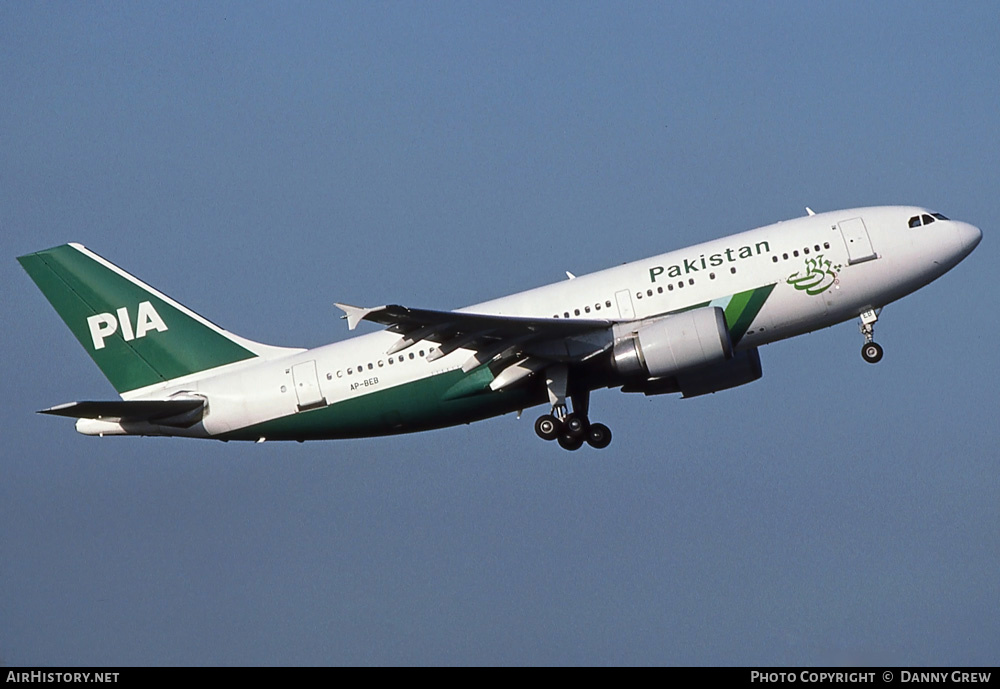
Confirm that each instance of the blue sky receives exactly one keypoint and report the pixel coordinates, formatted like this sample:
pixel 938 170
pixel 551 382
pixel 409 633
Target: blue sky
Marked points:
pixel 259 162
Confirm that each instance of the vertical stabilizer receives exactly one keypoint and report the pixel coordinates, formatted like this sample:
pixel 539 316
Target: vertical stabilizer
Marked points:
pixel 136 335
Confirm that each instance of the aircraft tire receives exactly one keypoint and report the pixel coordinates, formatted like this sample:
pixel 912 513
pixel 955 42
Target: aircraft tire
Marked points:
pixel 871 352
pixel 547 427
pixel 570 442
pixel 598 436
pixel 576 426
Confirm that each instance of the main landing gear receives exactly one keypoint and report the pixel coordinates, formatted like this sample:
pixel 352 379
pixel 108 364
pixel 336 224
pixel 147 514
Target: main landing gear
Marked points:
pixel 571 430
pixel 871 351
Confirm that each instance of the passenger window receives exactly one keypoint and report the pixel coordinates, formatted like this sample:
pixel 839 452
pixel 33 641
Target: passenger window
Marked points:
pixel 659 290
pixel 826 245
pixel 670 287
pixel 915 221
pixel 576 312
pixel 565 314
pixel 690 281
pixel 733 270
pixel 816 247
pixel 774 258
pixel 586 309
pixel 795 254
pixel 649 293
pixel 597 306
pixel 806 250
pixel 638 295
pixel 608 304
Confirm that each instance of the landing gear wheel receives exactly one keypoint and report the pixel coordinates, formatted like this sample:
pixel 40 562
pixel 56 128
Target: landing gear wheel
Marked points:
pixel 871 352
pixel 548 427
pixel 575 425
pixel 570 442
pixel 598 436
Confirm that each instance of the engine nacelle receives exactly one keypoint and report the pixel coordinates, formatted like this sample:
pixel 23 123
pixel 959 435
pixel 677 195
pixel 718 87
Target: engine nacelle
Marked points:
pixel 674 344
pixel 743 368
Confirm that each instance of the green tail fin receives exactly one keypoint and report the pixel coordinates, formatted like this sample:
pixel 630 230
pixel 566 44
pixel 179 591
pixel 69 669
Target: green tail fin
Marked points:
pixel 136 335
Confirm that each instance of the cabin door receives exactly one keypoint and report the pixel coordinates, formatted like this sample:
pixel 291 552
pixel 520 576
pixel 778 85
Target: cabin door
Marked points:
pixel 859 244
pixel 307 386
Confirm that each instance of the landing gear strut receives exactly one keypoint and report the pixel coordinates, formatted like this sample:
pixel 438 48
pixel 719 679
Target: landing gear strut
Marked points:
pixel 871 351
pixel 571 430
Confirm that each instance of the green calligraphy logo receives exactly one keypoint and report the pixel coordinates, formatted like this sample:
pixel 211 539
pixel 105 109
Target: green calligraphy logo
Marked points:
pixel 818 277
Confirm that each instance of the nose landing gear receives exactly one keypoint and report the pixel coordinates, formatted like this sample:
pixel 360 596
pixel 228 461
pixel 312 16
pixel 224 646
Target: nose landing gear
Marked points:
pixel 871 351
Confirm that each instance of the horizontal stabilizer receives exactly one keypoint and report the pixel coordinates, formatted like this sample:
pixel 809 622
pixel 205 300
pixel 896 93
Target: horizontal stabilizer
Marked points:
pixel 178 412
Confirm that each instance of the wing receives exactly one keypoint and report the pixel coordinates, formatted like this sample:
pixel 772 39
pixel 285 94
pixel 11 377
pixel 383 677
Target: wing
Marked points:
pixel 176 412
pixel 513 347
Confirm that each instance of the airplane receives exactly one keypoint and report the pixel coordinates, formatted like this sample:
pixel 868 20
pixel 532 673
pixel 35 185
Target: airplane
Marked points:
pixel 689 322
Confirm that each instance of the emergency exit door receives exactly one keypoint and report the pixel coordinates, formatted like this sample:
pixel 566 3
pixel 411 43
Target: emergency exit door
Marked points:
pixel 625 310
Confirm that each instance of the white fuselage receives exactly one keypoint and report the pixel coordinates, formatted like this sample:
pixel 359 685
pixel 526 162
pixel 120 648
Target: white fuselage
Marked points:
pixel 824 268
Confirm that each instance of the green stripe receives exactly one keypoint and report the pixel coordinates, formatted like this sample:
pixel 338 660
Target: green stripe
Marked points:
pixel 417 406
pixel 743 308
pixel 736 306
pixel 740 311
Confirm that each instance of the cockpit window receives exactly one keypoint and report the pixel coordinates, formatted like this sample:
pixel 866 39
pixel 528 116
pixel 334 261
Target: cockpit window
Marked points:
pixel 925 219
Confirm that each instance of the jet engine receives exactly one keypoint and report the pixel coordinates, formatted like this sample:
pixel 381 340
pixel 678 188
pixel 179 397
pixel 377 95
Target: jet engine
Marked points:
pixel 673 344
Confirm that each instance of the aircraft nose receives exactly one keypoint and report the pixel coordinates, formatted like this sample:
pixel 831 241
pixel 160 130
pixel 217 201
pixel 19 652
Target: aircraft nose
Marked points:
pixel 969 237
pixel 958 239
